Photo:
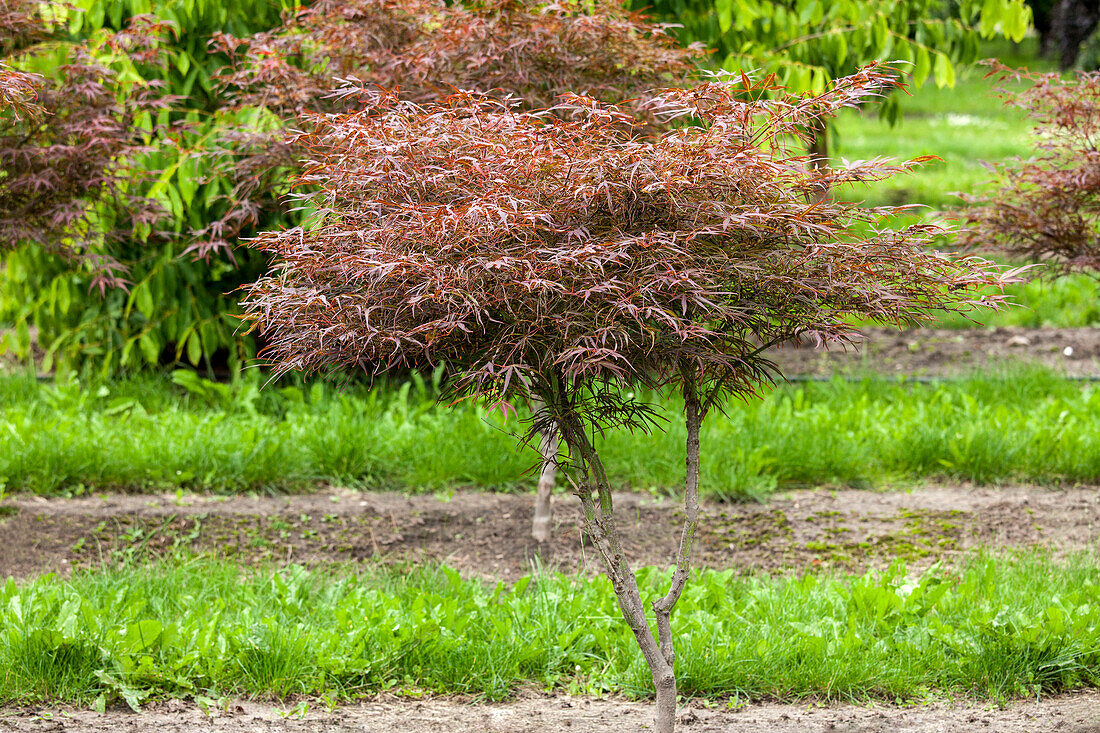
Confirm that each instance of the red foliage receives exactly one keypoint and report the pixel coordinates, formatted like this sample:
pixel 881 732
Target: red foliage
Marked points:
pixel 525 251
pixel 65 144
pixel 19 93
pixel 528 48
pixel 1048 206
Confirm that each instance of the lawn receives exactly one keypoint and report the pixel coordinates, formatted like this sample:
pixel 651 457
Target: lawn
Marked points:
pixel 197 628
pixel 967 126
pixel 151 434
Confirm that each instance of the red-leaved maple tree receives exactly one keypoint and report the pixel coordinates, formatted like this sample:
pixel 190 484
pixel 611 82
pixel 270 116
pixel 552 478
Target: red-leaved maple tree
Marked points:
pixel 1047 207
pixel 533 50
pixel 66 142
pixel 559 257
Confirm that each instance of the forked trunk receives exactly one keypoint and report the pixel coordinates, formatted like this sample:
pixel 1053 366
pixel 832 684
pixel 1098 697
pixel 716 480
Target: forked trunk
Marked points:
pixel 594 491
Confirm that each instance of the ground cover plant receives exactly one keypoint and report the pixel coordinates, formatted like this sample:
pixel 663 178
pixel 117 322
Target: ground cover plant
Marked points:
pixel 147 434
pixel 989 628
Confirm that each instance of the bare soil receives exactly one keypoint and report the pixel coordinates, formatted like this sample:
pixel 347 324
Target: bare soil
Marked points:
pixel 488 534
pixel 949 352
pixel 1071 713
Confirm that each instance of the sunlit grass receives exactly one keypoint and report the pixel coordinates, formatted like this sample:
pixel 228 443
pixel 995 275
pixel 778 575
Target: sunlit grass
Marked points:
pixel 993 628
pixel 966 126
pixel 149 434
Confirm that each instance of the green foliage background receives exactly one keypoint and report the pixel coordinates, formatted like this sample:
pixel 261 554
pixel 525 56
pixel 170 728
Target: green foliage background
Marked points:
pixel 177 307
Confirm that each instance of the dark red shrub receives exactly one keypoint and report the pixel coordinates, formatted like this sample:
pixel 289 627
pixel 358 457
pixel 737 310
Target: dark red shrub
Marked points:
pixel 66 143
pixel 1047 207
pixel 528 48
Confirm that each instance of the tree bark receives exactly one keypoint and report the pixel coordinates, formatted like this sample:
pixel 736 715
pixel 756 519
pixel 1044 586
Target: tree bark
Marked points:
pixel 544 510
pixel 1071 23
pixel 594 491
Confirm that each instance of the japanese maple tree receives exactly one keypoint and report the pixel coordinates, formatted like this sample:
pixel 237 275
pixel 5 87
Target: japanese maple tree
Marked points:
pixel 66 139
pixel 532 49
pixel 1047 207
pixel 560 256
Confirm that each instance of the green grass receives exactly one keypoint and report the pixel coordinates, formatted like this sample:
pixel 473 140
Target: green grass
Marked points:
pixel 149 434
pixel 964 126
pixel 1067 301
pixel 992 629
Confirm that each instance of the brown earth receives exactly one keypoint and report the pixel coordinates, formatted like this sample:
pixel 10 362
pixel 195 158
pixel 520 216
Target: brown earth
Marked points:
pixel 1071 713
pixel 487 534
pixel 950 352
pixel 921 352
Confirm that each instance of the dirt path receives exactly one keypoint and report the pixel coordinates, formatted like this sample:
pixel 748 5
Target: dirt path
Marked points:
pixel 925 352
pixel 487 534
pixel 1073 713
pixel 949 352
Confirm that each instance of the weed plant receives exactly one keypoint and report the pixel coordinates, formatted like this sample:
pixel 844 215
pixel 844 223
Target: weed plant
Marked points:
pixel 993 628
pixel 151 434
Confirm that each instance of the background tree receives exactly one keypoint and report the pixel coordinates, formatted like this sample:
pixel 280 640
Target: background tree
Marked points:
pixel 156 89
pixel 1072 22
pixel 1047 207
pixel 808 43
pixel 67 140
pixel 559 256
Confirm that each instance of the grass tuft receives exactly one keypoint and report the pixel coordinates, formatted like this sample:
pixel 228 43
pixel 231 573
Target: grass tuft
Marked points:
pixel 150 434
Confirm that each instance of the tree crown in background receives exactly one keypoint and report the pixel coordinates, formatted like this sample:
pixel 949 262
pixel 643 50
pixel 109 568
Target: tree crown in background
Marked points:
pixel 1047 207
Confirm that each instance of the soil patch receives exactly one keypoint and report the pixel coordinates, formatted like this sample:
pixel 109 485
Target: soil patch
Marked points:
pixel 488 534
pixel 949 352
pixel 1073 713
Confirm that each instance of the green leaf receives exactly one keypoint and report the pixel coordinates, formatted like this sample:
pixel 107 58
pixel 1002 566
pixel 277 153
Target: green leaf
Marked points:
pixel 944 71
pixel 922 66
pixel 194 348
pixel 143 298
pixel 142 635
pixel 724 10
pixel 808 12
pixel 150 347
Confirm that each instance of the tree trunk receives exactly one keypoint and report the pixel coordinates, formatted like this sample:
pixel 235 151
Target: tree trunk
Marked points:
pixel 818 153
pixel 594 491
pixel 544 511
pixel 1071 22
